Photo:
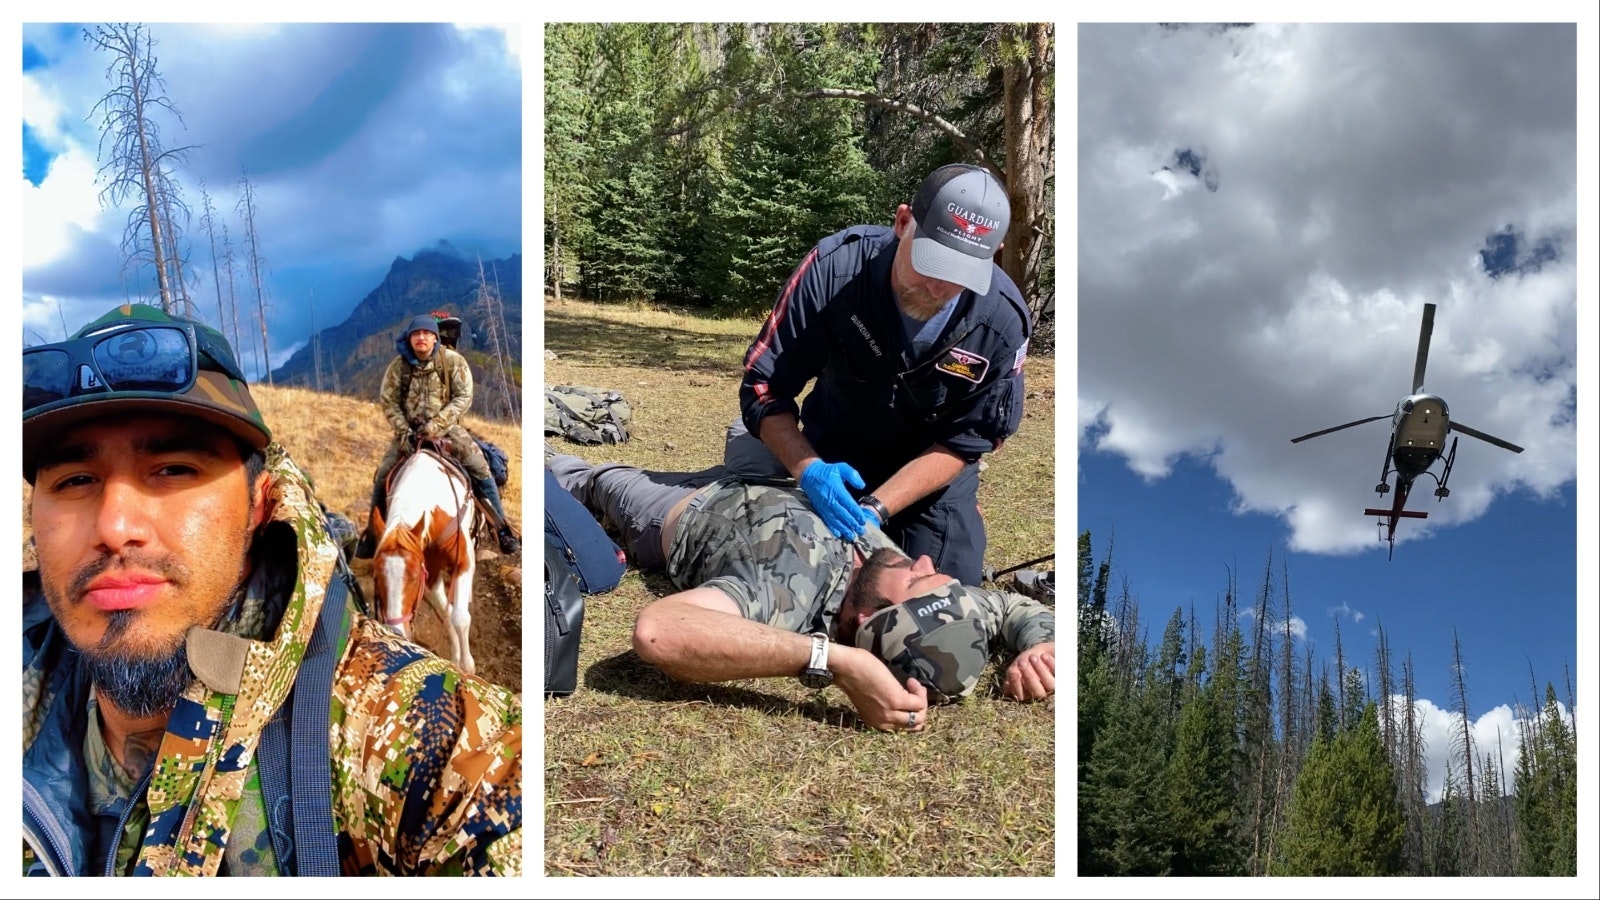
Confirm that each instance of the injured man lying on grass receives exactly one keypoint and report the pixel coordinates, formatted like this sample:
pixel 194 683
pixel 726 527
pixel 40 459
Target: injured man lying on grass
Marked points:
pixel 765 590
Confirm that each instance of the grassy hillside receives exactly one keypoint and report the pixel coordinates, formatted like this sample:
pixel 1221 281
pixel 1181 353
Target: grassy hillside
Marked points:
pixel 644 776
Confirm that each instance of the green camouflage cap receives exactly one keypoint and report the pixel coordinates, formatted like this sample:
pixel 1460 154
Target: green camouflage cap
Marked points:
pixel 938 638
pixel 218 396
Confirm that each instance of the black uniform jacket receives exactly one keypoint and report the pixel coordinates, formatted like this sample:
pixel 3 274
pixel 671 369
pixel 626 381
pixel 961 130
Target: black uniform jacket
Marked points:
pixel 873 405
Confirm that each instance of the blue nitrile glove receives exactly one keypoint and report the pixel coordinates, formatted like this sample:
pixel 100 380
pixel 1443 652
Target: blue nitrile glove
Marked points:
pixel 824 484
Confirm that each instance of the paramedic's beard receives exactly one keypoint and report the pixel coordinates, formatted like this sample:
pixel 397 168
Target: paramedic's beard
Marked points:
pixel 918 302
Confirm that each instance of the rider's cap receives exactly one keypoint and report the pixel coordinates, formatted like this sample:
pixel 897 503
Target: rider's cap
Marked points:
pixel 425 322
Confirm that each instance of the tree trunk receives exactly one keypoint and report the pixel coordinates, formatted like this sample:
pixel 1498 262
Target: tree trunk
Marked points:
pixel 1029 126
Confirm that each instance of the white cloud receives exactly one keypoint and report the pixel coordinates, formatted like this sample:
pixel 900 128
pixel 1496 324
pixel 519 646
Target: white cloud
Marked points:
pixel 64 205
pixel 370 141
pixel 1345 609
pixel 1297 625
pixel 510 32
pixel 1494 734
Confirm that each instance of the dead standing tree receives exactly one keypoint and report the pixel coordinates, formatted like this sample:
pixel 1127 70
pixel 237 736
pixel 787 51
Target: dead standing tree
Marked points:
pixel 135 161
pixel 209 220
pixel 247 209
pixel 499 343
pixel 172 206
pixel 232 284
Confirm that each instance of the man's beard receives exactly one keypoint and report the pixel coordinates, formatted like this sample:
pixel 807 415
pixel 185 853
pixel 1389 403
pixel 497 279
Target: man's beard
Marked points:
pixel 863 595
pixel 140 681
pixel 137 685
pixel 921 305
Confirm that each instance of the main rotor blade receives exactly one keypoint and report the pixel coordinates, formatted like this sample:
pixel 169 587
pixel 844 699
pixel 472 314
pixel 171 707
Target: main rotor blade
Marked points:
pixel 1422 347
pixel 1307 437
pixel 1473 432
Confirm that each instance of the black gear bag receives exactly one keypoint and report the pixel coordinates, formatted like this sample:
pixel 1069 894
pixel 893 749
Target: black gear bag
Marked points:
pixel 579 558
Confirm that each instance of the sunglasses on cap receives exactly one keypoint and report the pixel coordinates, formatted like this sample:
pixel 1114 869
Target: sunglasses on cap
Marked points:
pixel 124 357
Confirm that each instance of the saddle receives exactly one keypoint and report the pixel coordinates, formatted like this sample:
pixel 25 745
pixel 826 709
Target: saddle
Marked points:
pixel 442 449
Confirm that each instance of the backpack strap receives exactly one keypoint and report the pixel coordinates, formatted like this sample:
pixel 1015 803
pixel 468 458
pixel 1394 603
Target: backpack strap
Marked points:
pixel 296 775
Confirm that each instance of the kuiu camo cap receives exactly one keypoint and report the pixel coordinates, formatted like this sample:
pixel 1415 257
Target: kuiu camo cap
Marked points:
pixel 216 396
pixel 938 638
pixel 961 213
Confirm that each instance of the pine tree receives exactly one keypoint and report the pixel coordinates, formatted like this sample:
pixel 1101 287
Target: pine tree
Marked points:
pixel 1343 818
pixel 570 52
pixel 1546 793
pixel 796 170
pixel 1199 794
pixel 1121 821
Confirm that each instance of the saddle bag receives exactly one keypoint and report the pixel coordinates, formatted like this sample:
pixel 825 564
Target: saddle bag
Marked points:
pixel 499 463
pixel 579 558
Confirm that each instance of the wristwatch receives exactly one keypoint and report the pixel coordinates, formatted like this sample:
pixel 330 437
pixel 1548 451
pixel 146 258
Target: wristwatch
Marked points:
pixel 816 675
pixel 877 507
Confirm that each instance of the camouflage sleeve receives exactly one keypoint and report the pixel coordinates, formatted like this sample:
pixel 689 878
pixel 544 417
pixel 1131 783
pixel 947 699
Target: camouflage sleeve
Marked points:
pixel 389 396
pixel 460 381
pixel 1015 620
pixel 429 762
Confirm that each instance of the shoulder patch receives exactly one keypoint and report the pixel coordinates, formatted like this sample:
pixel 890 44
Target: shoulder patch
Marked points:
pixel 963 364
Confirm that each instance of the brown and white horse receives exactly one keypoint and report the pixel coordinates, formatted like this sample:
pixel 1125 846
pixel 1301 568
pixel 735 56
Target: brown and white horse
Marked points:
pixel 425 548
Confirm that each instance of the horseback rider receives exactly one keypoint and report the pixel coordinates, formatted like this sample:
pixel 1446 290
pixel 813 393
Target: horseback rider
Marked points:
pixel 426 389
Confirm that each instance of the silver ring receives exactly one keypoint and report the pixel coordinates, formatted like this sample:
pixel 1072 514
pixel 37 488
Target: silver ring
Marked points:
pixel 911 720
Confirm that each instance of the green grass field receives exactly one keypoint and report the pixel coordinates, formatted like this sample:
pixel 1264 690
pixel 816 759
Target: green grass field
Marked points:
pixel 644 776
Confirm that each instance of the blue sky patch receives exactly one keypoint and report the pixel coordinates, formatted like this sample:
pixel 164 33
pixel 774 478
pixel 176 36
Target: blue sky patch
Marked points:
pixel 35 157
pixel 32 58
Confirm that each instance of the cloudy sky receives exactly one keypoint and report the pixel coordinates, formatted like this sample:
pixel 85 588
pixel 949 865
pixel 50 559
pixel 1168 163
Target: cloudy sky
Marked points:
pixel 364 142
pixel 1262 213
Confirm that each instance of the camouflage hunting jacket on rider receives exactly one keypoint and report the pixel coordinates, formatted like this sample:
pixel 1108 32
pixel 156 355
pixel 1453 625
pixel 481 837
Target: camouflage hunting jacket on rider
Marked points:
pixel 775 558
pixel 437 392
pixel 426 761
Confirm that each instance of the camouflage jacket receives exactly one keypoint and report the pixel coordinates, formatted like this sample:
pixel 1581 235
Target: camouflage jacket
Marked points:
pixel 438 392
pixel 426 762
pixel 775 558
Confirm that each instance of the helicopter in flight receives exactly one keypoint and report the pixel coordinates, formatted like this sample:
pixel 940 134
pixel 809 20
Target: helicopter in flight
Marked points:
pixel 1421 422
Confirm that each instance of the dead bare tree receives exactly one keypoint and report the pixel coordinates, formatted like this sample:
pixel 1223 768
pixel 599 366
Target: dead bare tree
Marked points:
pixel 130 144
pixel 316 342
pixel 233 294
pixel 208 219
pixel 1413 773
pixel 247 208
pixel 499 342
pixel 172 205
pixel 1461 743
